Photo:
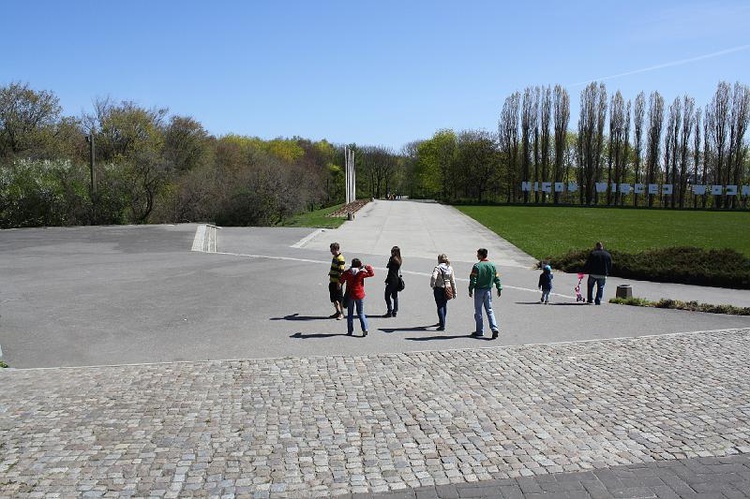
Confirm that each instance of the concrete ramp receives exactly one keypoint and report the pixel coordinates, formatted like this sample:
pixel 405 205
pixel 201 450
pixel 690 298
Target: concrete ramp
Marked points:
pixel 422 229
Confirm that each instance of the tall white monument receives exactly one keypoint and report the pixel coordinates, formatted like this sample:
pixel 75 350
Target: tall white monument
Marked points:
pixel 349 176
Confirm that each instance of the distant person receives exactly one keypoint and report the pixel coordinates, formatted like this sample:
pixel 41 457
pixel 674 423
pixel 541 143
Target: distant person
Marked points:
pixel 443 283
pixel 545 283
pixel 391 282
pixel 483 276
pixel 355 291
pixel 598 266
pixel 334 286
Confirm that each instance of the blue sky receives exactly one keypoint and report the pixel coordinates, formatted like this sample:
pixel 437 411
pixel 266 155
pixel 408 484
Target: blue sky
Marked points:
pixel 374 73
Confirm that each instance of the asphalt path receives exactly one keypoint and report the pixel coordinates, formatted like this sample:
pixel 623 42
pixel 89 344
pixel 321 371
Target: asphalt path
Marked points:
pixel 141 294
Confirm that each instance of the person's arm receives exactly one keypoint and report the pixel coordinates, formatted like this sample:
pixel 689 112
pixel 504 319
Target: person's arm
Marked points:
pixel 433 277
pixel 496 280
pixel 369 270
pixel 473 280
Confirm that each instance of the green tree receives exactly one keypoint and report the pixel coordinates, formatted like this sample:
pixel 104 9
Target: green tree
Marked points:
pixel 479 157
pixel 434 166
pixel 27 120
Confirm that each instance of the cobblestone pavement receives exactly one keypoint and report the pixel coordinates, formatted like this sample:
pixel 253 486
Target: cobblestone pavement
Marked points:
pixel 510 421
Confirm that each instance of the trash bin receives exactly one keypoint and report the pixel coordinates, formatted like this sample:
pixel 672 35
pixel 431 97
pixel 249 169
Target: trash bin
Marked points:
pixel 624 291
pixel 350 216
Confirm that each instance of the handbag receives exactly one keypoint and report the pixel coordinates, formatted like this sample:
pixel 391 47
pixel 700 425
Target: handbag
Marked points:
pixel 448 289
pixel 401 284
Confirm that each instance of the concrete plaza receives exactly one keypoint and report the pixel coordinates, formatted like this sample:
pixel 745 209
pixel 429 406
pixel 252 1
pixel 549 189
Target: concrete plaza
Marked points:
pixel 141 368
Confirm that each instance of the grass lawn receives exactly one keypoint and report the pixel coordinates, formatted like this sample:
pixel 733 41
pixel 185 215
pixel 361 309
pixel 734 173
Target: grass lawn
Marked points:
pixel 547 231
pixel 318 219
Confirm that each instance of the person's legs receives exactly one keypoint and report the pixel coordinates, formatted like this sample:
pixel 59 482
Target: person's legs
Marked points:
pixel 350 317
pixel 388 305
pixel 441 302
pixel 335 294
pixel 361 313
pixel 478 303
pixel 600 290
pixel 590 289
pixel 395 300
pixel 490 312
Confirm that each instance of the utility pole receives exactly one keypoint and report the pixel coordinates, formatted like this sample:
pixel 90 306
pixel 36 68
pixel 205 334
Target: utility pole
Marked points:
pixel 90 140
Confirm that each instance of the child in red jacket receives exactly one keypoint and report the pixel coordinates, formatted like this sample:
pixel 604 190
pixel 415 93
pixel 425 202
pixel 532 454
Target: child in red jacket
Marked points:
pixel 355 293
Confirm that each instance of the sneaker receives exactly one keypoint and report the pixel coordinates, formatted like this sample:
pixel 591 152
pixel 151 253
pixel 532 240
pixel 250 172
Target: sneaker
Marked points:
pixel 335 315
pixel 495 334
pixel 350 333
pixel 546 302
pixel 541 301
pixel 388 314
pixel 364 333
pixel 393 314
pixel 476 334
pixel 441 328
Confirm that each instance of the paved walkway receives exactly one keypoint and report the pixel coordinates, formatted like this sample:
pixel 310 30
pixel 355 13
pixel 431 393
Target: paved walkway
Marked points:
pixel 646 414
pixel 495 422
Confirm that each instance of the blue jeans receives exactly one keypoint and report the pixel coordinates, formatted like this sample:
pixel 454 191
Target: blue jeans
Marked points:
pixel 545 294
pixel 600 282
pixel 360 304
pixel 483 298
pixel 442 304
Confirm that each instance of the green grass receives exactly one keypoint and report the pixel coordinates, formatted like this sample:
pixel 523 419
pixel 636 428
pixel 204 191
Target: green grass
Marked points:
pixel 317 219
pixel 545 232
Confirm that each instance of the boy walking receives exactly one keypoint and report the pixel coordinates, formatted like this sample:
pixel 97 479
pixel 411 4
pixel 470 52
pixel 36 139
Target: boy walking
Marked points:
pixel 545 283
pixel 483 276
pixel 334 286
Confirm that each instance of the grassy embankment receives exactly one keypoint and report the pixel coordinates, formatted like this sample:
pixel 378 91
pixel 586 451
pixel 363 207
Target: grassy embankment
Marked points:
pixel 695 247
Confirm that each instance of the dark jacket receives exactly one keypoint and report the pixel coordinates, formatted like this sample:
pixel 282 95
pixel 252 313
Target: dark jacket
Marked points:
pixel 599 262
pixel 545 280
pixel 394 266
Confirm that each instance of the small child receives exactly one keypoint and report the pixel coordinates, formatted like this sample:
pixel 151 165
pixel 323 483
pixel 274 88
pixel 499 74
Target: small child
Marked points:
pixel 545 283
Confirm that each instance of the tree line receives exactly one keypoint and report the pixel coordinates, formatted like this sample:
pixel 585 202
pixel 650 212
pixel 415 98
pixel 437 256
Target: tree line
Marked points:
pixel 616 142
pixel 152 167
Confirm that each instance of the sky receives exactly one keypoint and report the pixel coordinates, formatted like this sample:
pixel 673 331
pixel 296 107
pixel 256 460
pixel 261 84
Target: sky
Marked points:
pixel 382 73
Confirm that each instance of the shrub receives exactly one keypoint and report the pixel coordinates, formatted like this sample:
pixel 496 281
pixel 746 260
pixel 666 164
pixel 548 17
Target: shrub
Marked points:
pixel 724 268
pixel 692 306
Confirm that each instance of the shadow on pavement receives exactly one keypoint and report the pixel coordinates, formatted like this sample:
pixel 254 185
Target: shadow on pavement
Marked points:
pixel 442 337
pixel 562 303
pixel 303 336
pixel 297 317
pixel 397 329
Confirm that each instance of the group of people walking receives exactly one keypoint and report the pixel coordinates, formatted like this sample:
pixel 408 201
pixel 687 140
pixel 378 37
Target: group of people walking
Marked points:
pixel 346 289
pixel 347 286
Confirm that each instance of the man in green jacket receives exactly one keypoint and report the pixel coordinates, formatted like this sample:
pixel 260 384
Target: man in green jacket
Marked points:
pixel 483 276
